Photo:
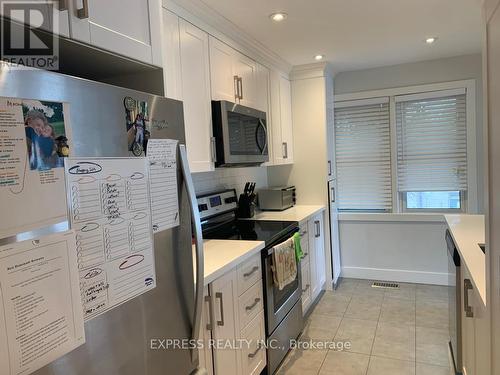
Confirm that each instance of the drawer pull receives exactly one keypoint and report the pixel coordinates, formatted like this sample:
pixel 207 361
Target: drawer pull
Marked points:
pixel 248 274
pixel 221 304
pixel 469 312
pixel 248 308
pixel 252 355
pixel 305 290
pixel 210 324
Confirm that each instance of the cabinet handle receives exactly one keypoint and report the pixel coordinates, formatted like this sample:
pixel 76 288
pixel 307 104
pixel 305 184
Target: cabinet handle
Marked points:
pixel 318 231
pixel 469 312
pixel 221 306
pixel 83 12
pixel 255 302
pixel 252 355
pixel 63 5
pixel 305 290
pixel 285 150
pixel 252 271
pixel 240 80
pixel 236 80
pixel 213 149
pixel 210 324
pixel 329 167
pixel 332 189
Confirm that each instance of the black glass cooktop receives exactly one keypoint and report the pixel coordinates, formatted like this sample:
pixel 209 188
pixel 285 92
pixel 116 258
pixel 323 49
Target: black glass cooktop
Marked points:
pixel 252 230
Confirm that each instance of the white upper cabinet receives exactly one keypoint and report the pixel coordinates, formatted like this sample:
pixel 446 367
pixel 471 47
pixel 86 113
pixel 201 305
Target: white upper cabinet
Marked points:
pixel 281 120
pixel 234 75
pixel 187 78
pixel 224 80
pixel 127 27
pixel 263 100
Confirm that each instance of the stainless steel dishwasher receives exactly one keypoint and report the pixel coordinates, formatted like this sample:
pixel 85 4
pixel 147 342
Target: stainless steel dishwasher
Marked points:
pixel 454 305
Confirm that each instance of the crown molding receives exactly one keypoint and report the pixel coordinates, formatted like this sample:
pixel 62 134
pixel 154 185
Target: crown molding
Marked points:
pixel 201 15
pixel 313 70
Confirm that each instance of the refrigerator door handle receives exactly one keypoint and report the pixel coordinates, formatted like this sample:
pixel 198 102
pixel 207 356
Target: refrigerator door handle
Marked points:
pixel 200 272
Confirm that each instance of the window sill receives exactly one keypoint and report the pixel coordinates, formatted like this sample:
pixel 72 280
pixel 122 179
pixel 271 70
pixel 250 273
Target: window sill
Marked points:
pixel 392 217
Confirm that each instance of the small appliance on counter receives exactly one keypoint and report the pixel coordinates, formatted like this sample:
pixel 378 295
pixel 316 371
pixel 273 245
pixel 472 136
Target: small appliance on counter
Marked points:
pixel 277 198
pixel 246 203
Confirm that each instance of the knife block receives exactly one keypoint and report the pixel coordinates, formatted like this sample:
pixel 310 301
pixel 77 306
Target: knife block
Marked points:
pixel 246 206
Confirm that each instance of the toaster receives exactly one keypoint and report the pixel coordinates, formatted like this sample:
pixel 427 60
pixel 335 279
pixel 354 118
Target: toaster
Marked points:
pixel 277 198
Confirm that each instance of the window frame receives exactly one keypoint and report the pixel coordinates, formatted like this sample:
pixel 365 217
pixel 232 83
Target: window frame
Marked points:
pixel 469 198
pixel 462 209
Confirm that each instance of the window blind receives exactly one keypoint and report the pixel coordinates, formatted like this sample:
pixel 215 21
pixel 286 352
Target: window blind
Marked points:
pixel 432 141
pixel 363 155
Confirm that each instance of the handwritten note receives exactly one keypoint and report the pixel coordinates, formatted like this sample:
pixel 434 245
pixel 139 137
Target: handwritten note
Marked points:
pixel 111 214
pixel 40 310
pixel 162 157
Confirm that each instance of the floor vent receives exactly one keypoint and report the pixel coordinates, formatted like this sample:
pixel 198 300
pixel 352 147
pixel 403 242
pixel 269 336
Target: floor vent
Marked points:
pixel 379 284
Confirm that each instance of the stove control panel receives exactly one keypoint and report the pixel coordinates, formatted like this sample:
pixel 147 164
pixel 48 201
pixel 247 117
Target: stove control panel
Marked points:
pixel 217 203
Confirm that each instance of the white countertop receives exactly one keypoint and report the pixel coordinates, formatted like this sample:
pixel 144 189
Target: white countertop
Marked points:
pixel 468 231
pixel 295 213
pixel 223 255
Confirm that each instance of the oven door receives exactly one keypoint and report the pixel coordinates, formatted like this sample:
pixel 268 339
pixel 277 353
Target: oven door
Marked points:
pixel 244 134
pixel 279 302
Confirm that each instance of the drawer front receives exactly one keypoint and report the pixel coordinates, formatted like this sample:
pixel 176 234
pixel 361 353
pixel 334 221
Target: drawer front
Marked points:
pixel 250 304
pixel 249 273
pixel 253 357
pixel 306 287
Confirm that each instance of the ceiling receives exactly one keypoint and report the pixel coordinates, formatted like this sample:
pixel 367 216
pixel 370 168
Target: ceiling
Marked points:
pixel 359 34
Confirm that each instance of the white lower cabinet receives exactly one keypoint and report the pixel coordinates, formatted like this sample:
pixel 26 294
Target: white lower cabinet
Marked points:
pixel 313 270
pixel 234 310
pixel 475 329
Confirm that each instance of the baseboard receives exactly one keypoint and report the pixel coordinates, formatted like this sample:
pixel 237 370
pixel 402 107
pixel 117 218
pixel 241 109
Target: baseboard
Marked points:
pixel 404 276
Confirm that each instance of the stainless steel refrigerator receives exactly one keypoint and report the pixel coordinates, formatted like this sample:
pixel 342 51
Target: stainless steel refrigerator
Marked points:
pixel 118 342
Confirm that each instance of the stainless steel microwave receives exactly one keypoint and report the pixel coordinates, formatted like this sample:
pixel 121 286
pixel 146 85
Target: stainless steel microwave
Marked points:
pixel 240 135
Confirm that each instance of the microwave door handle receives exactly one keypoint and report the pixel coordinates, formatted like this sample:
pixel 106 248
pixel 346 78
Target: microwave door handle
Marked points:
pixel 198 306
pixel 261 124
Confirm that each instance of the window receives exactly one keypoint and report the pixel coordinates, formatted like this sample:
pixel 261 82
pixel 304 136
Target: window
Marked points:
pixel 432 150
pixel 363 155
pixel 407 149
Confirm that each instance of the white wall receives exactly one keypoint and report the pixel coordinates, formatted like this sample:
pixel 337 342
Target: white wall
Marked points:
pixel 406 251
pixel 397 251
pixel 228 178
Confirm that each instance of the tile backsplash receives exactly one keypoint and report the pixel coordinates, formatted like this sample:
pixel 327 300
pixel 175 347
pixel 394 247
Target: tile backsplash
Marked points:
pixel 228 178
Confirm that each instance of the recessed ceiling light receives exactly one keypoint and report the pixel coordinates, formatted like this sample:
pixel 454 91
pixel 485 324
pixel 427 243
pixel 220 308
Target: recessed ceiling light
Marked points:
pixel 430 40
pixel 318 57
pixel 278 16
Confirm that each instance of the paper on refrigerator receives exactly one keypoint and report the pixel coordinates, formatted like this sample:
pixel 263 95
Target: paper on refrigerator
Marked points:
pixel 111 214
pixel 34 139
pixel 40 307
pixel 162 159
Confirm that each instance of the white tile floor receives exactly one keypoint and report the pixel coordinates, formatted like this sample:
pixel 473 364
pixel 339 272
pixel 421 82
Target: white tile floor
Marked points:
pixel 392 332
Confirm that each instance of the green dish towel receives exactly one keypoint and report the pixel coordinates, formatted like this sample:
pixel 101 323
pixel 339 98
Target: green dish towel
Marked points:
pixel 298 249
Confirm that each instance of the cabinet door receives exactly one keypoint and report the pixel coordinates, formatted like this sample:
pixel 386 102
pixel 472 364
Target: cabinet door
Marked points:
pixel 205 354
pixel 319 247
pixel 195 72
pixel 246 69
pixel 263 102
pixel 222 71
pixel 313 273
pixel 171 55
pixel 126 27
pixel 286 120
pixel 224 293
pixel 468 327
